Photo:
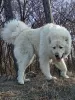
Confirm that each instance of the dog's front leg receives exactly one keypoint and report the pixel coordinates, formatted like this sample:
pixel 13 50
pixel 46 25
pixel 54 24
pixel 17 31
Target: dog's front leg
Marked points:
pixel 44 65
pixel 62 67
pixel 44 57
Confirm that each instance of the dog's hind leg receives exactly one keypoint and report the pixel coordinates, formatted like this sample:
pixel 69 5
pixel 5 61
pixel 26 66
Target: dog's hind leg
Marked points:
pixel 21 69
pixel 23 61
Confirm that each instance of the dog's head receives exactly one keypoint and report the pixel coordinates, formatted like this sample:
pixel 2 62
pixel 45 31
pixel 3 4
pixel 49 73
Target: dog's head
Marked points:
pixel 59 42
pixel 59 49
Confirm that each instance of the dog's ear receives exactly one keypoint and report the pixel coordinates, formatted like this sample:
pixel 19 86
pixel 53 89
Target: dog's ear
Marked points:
pixel 67 41
pixel 49 40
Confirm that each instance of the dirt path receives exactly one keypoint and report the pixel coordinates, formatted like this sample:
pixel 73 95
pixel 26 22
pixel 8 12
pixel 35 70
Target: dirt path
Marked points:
pixel 38 89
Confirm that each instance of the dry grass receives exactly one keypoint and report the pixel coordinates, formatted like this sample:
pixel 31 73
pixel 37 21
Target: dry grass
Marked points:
pixel 38 89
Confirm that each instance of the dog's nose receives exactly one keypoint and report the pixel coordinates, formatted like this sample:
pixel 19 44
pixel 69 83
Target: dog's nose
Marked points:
pixel 57 55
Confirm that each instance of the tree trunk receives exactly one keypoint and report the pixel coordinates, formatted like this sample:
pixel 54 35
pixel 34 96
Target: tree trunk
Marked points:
pixel 47 10
pixel 7 60
pixel 8 10
pixel 0 2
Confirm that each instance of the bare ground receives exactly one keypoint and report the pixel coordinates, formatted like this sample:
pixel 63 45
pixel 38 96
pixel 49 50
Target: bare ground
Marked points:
pixel 38 89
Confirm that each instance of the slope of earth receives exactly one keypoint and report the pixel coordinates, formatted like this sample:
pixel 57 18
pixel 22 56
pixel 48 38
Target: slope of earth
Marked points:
pixel 38 89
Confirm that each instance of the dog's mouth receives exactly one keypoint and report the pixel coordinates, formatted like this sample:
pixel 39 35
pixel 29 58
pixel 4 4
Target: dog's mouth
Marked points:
pixel 58 58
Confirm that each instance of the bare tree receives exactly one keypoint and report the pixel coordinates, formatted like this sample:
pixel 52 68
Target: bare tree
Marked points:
pixel 40 12
pixel 48 11
pixel 22 9
pixel 8 9
pixel 1 6
pixel 7 63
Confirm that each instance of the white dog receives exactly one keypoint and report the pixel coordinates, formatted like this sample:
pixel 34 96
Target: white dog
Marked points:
pixel 48 42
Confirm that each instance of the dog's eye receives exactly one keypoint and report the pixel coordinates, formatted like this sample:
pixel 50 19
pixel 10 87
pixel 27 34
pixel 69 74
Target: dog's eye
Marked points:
pixel 60 47
pixel 54 47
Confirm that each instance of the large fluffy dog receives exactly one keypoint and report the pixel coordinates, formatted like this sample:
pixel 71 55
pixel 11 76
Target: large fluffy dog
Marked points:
pixel 48 42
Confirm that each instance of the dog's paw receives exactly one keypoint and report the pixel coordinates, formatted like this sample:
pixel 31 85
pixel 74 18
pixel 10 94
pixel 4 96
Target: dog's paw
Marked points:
pixel 65 76
pixel 54 77
pixel 26 79
pixel 51 78
pixel 21 82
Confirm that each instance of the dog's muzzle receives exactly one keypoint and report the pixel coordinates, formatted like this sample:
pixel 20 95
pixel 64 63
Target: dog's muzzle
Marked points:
pixel 58 57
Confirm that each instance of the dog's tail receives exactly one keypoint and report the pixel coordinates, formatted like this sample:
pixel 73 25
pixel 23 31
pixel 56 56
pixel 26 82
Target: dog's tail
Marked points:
pixel 12 29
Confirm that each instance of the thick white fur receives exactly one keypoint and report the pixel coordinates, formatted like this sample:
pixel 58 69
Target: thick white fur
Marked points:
pixel 40 42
